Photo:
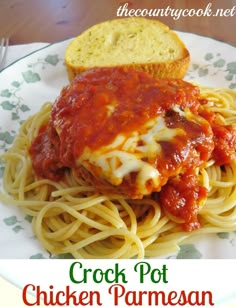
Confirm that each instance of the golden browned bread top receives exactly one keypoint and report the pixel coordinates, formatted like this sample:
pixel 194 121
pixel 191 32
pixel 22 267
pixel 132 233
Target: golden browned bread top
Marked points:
pixel 141 43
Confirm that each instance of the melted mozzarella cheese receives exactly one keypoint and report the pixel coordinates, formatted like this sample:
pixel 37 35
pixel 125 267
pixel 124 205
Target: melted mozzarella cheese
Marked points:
pixel 128 154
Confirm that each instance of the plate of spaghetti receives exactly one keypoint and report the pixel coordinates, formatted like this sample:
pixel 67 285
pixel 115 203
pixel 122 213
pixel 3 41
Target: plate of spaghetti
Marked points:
pixel 143 179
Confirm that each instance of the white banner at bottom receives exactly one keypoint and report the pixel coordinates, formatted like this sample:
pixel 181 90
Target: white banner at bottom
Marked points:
pixel 121 283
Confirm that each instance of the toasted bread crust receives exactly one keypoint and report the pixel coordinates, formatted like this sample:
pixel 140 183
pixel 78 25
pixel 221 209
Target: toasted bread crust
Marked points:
pixel 176 69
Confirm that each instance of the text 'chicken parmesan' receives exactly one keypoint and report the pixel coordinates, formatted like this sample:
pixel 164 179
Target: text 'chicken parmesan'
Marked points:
pixel 128 133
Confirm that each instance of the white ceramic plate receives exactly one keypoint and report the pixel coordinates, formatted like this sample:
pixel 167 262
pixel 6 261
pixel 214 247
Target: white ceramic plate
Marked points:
pixel 39 77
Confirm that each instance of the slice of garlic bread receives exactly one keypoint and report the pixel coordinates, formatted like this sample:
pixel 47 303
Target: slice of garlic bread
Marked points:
pixel 141 43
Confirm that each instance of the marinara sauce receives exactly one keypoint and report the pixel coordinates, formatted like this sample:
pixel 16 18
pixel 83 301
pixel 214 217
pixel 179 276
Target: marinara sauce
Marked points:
pixel 104 102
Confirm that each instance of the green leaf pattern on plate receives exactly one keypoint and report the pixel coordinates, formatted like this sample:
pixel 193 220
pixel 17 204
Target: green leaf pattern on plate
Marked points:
pixel 223 235
pixel 14 223
pixel 13 102
pixel 38 256
pixel 5 93
pixel 6 137
pixel 11 220
pixel 52 59
pixel 30 77
pixel 189 251
pixel 43 63
pixel 215 63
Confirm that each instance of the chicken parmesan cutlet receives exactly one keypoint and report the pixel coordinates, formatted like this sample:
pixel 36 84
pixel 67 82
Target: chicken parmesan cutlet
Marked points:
pixel 128 133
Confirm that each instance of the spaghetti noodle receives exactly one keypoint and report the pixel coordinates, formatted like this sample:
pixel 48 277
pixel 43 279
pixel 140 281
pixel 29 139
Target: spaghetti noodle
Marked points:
pixel 72 216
